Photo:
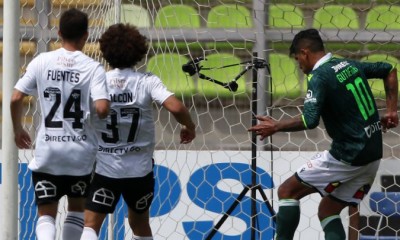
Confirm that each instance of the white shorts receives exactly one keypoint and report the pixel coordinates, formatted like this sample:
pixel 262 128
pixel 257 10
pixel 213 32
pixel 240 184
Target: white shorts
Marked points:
pixel 331 177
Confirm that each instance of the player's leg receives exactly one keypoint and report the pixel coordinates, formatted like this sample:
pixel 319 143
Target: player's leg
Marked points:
pixel 346 185
pixel 288 216
pixel 93 222
pixel 47 195
pixel 45 226
pixel 354 222
pixel 103 196
pixel 76 190
pixel 310 178
pixel 329 215
pixel 73 224
pixel 140 225
pixel 138 199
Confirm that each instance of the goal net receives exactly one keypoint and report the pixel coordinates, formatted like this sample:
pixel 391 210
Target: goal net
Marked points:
pixel 218 44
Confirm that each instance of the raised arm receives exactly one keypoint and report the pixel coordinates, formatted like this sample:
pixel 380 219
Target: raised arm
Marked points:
pixel 181 114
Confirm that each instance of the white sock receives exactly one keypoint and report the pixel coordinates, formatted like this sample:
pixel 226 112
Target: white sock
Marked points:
pixel 142 238
pixel 88 234
pixel 73 226
pixel 46 228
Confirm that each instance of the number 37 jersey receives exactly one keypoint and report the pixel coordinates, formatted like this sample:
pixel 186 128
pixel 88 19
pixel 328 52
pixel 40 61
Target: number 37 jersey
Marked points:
pixel 127 136
pixel 66 84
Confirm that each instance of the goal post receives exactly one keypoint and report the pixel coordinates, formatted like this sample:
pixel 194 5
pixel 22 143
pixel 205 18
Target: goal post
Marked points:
pixel 196 184
pixel 9 163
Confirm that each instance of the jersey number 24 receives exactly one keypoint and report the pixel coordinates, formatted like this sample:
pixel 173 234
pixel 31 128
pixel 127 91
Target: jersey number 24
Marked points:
pixel 72 108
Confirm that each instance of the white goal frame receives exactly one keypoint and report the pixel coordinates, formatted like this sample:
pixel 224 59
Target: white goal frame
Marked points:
pixel 259 35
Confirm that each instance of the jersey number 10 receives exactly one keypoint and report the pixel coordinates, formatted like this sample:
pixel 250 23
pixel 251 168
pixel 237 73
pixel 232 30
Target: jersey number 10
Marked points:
pixel 363 98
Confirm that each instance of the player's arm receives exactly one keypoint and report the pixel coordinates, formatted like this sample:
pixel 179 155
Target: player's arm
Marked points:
pixel 391 119
pixel 268 126
pixel 99 93
pixel 308 120
pixel 21 137
pixel 181 114
pixel 102 107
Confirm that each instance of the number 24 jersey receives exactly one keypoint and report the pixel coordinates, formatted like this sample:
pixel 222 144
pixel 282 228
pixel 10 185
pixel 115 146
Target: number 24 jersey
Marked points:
pixel 66 84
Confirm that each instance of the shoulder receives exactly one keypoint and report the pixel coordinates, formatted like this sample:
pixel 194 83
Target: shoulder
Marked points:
pixel 335 65
pixel 41 61
pixel 380 64
pixel 150 77
pixel 319 74
pixel 330 69
pixel 45 56
pixel 90 59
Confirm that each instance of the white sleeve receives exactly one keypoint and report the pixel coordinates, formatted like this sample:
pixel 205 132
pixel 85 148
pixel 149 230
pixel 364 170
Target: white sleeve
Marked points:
pixel 27 83
pixel 159 91
pixel 98 86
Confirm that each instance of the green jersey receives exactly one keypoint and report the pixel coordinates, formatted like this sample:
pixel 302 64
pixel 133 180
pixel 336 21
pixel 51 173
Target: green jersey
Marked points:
pixel 338 91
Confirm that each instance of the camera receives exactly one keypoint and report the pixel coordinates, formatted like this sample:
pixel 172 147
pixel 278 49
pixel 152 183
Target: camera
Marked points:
pixel 192 67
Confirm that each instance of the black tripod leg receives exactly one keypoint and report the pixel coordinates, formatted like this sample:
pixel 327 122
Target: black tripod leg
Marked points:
pixel 228 213
pixel 266 201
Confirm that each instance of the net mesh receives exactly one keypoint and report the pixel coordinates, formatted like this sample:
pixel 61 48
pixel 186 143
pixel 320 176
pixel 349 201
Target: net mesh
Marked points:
pixel 197 183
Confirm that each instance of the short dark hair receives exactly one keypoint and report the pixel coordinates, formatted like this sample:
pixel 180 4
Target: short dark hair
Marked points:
pixel 73 24
pixel 309 39
pixel 123 46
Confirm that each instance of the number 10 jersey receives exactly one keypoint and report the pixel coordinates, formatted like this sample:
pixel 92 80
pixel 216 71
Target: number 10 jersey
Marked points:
pixel 339 92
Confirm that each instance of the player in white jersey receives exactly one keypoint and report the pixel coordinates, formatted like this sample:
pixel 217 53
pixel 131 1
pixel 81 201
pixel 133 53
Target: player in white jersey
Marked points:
pixel 126 140
pixel 69 86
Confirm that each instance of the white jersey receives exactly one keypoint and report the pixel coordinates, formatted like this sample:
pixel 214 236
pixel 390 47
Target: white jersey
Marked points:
pixel 65 83
pixel 127 136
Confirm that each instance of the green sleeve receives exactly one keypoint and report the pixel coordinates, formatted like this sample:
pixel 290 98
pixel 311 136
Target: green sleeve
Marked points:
pixel 316 93
pixel 376 69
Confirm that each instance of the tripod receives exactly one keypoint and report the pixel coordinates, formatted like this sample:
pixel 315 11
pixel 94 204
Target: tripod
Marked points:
pixel 192 68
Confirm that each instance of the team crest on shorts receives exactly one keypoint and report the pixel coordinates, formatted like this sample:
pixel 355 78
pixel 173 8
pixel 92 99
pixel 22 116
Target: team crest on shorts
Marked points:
pixel 144 202
pixel 361 192
pixel 332 186
pixel 45 189
pixel 79 187
pixel 104 196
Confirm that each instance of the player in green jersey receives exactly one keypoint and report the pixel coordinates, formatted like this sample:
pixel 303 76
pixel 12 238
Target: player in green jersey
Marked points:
pixel 338 92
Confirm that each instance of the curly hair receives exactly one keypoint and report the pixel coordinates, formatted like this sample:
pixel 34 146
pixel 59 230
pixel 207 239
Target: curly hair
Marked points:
pixel 123 46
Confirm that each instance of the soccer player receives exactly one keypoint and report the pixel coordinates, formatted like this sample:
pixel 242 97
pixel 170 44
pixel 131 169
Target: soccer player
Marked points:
pixel 68 85
pixel 338 91
pixel 127 139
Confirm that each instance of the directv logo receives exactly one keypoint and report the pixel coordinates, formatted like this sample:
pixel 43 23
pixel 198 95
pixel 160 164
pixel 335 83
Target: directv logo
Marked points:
pixel 371 129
